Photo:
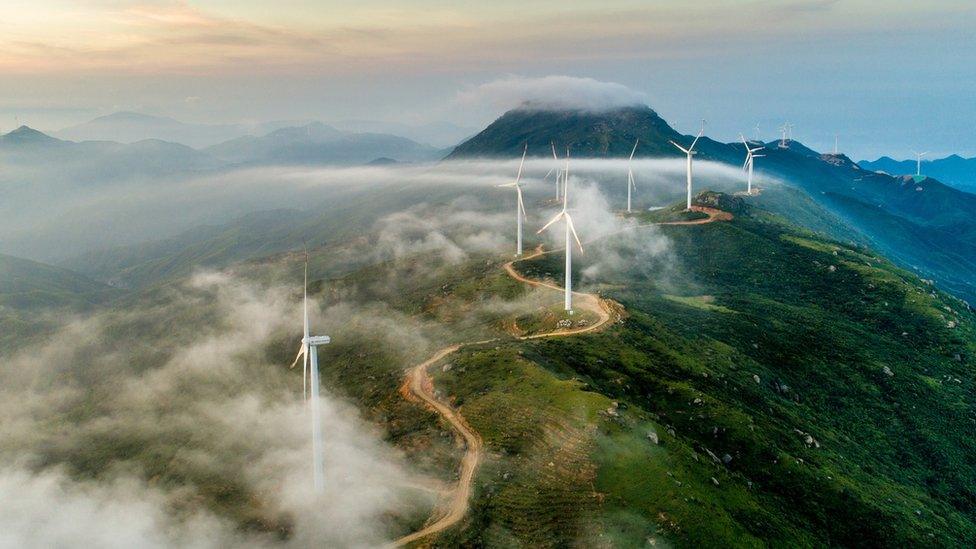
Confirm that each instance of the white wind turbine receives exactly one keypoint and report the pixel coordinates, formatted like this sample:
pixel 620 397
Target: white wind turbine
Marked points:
pixel 690 151
pixel 310 369
pixel 519 207
pixel 750 160
pixel 631 183
pixel 918 161
pixel 564 214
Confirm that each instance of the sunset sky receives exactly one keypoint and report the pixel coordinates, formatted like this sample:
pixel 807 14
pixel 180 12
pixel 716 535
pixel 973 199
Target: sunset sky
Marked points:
pixel 886 78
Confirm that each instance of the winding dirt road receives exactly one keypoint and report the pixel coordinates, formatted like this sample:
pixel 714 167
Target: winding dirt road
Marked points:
pixel 418 385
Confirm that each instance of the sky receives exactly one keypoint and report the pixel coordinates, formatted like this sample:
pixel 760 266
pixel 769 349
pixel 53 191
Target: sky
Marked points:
pixel 887 78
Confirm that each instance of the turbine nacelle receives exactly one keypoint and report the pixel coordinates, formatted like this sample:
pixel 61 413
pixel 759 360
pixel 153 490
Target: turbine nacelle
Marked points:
pixel 315 341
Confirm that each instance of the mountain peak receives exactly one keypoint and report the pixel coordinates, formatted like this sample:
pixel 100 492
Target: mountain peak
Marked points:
pixel 605 133
pixel 26 134
pixel 132 116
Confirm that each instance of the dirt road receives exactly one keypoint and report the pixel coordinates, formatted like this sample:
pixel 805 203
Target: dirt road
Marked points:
pixel 418 385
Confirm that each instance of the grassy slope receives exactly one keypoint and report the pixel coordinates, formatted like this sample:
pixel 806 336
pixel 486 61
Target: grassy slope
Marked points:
pixel 888 458
pixel 29 289
pixel 891 467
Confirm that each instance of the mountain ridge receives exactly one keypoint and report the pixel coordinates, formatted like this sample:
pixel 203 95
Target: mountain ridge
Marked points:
pixel 871 202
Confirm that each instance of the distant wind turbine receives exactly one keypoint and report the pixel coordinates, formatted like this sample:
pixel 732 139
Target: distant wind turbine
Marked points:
pixel 787 132
pixel 310 369
pixel 918 161
pixel 631 184
pixel 836 144
pixel 757 133
pixel 564 214
pixel 751 157
pixel 690 151
pixel 519 207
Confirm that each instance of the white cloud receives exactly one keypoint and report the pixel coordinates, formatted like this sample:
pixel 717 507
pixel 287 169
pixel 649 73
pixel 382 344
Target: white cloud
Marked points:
pixel 552 92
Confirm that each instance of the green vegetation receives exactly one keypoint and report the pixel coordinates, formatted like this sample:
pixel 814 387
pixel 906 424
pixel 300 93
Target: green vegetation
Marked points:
pixel 836 401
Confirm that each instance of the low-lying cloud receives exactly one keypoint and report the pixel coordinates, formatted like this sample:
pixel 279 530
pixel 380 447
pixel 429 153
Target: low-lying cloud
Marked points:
pixel 166 425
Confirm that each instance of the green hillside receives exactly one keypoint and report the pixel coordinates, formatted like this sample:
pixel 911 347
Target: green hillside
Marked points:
pixel 586 133
pixel 31 293
pixel 26 284
pixel 803 392
pixel 936 232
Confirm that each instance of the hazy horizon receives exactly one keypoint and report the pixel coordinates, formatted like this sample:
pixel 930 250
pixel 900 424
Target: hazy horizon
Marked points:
pixel 887 81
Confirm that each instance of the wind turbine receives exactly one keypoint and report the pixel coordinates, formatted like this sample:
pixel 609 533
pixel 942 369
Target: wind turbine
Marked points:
pixel 757 133
pixel 564 214
pixel 751 157
pixel 918 161
pixel 787 131
pixel 519 208
pixel 310 369
pixel 836 144
pixel 690 151
pixel 631 184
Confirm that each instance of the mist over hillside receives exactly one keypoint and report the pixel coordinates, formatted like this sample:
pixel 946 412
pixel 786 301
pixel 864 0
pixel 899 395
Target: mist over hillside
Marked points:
pixel 762 353
pixel 924 224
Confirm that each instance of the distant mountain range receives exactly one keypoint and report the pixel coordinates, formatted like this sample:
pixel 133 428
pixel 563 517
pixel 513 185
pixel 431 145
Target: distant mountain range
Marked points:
pixel 922 223
pixel 318 143
pixel 952 170
pixel 312 143
pixel 435 134
pixel 99 161
pixel 129 127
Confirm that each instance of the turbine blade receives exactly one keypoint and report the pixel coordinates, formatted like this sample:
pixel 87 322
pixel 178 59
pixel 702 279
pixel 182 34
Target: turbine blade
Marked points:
pixel 684 150
pixel 521 207
pixel 548 174
pixel 695 142
pixel 634 150
pixel 572 229
pixel 519 176
pixel 301 352
pixel 554 157
pixel 551 221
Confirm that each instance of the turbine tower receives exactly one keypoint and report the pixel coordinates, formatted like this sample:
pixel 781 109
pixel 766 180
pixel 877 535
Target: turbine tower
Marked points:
pixel 690 151
pixel 564 214
pixel 751 156
pixel 918 161
pixel 519 207
pixel 631 184
pixel 310 377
